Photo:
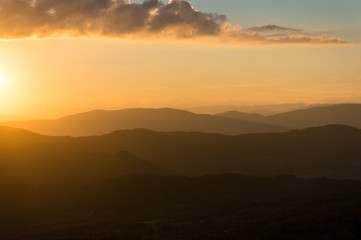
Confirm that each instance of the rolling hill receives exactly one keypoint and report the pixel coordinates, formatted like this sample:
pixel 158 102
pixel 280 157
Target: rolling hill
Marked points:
pixel 103 122
pixel 331 151
pixel 344 114
pixel 270 109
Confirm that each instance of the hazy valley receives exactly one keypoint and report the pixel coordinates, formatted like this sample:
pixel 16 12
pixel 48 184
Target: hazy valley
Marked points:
pixel 180 120
pixel 173 184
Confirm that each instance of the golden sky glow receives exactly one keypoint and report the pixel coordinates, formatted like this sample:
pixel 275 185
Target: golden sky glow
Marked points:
pixel 54 77
pixel 2 81
pixel 176 19
pixel 58 57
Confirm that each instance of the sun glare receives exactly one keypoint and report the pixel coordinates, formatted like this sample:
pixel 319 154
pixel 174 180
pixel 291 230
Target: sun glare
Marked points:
pixel 2 80
pixel 3 83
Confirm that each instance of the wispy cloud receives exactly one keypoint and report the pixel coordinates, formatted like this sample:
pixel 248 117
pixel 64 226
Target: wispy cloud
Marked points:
pixel 273 28
pixel 358 80
pixel 145 89
pixel 244 85
pixel 177 19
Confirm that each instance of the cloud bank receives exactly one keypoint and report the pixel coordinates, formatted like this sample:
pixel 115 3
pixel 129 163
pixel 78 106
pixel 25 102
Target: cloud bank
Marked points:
pixel 177 19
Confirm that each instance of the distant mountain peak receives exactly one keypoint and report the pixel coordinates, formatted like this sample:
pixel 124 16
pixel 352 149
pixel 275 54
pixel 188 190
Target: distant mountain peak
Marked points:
pixel 100 122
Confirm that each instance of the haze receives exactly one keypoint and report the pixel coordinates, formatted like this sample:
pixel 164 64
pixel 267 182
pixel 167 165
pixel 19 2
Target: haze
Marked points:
pixel 53 73
pixel 196 120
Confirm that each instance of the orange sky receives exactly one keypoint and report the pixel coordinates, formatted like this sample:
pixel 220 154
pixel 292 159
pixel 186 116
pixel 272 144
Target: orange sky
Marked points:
pixel 180 54
pixel 54 77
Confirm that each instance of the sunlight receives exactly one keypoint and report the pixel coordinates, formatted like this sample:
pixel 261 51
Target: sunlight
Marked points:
pixel 4 86
pixel 2 81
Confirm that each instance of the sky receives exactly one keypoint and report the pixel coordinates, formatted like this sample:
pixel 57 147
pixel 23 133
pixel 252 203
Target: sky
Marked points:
pixel 335 16
pixel 58 58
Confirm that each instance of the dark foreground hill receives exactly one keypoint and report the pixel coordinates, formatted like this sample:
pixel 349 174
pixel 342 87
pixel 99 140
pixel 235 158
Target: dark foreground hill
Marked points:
pixel 344 114
pixel 222 207
pixel 332 151
pixel 103 122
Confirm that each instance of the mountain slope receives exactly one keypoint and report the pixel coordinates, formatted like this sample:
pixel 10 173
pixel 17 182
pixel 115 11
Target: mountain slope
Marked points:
pixel 103 122
pixel 270 109
pixel 344 114
pixel 242 116
pixel 39 159
pixel 332 151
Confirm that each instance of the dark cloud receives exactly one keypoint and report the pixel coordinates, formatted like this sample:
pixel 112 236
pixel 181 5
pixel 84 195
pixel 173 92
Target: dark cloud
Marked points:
pixel 273 28
pixel 177 19
pixel 22 18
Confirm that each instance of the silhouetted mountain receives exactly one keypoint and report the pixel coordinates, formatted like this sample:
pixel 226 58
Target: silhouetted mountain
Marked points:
pixel 243 116
pixel 332 151
pixel 232 122
pixel 39 159
pixel 344 114
pixel 102 122
pixel 269 109
pixel 209 207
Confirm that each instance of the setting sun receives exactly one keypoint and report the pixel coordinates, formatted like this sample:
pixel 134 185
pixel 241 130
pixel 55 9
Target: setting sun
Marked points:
pixel 4 90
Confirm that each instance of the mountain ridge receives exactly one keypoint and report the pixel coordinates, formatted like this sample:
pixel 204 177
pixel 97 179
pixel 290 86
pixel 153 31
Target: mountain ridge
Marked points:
pixel 313 116
pixel 100 122
pixel 331 151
